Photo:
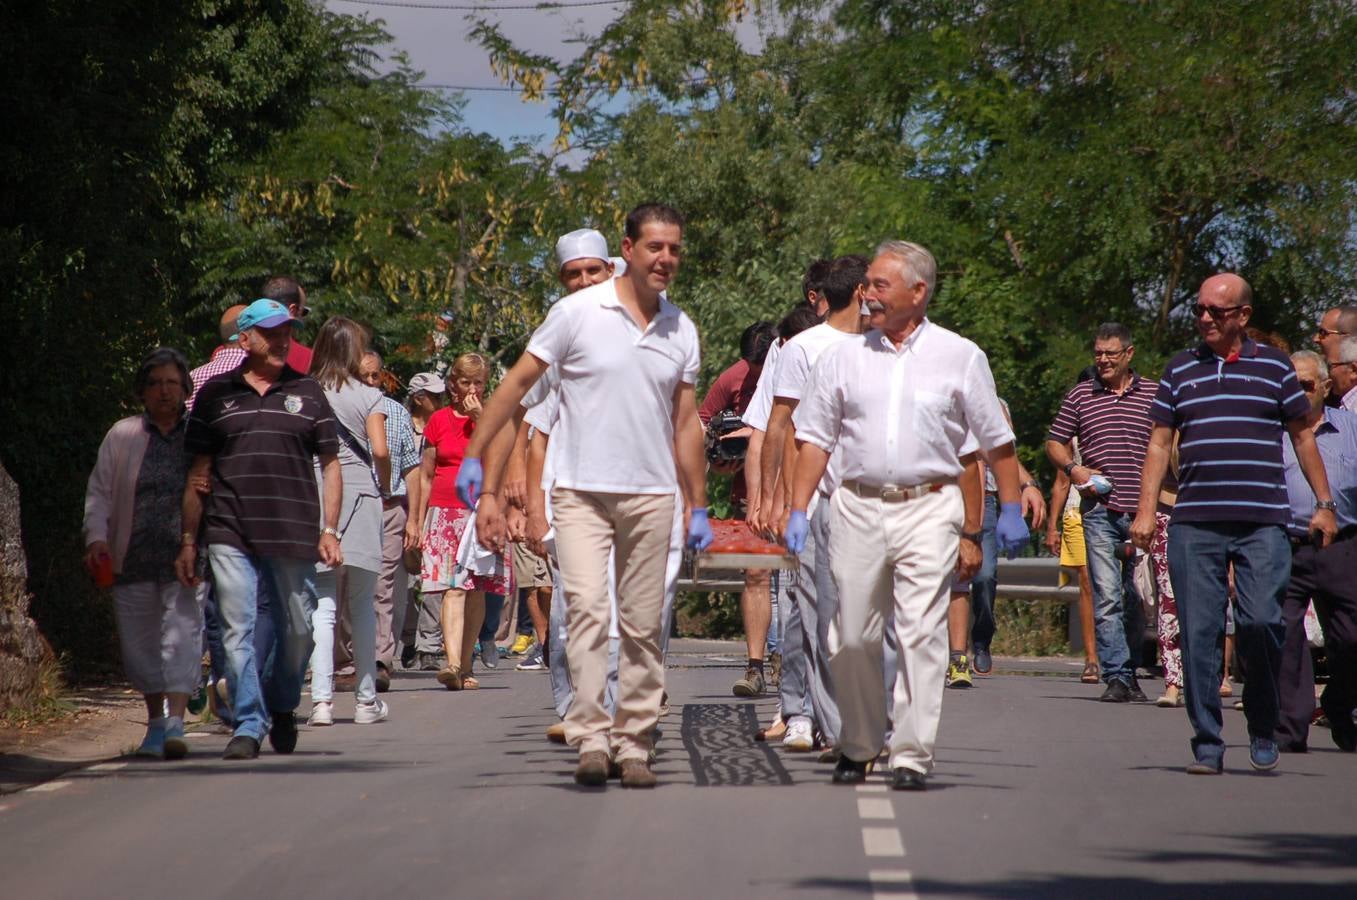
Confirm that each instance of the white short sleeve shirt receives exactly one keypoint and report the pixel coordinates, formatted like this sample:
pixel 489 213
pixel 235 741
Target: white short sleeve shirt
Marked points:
pixel 761 404
pixel 903 416
pixel 614 432
pixel 798 358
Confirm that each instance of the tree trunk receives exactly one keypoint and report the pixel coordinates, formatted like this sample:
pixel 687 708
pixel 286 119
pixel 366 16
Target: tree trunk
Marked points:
pixel 22 649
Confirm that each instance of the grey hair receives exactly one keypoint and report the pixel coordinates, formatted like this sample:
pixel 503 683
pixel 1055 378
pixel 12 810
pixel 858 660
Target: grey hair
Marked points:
pixel 917 262
pixel 1114 330
pixel 1347 318
pixel 1315 358
pixel 1347 349
pixel 380 362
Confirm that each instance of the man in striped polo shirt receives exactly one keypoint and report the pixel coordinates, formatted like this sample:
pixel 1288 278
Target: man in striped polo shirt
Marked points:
pixel 1229 400
pixel 1110 416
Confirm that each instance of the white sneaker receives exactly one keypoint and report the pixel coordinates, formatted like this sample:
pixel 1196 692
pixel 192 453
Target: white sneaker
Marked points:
pixel 370 713
pixel 799 736
pixel 323 713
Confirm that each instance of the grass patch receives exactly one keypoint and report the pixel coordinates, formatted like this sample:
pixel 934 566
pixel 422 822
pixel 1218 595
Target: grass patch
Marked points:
pixel 48 706
pixel 1031 628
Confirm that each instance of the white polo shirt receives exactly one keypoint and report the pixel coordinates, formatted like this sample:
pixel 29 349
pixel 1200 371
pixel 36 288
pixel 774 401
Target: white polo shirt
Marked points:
pixel 615 431
pixel 761 404
pixel 903 417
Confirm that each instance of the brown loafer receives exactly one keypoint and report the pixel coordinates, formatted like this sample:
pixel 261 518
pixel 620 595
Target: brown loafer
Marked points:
pixel 636 773
pixel 773 732
pixel 593 769
pixel 556 733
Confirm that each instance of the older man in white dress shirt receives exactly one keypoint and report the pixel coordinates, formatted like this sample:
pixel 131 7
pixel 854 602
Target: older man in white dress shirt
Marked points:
pixel 908 404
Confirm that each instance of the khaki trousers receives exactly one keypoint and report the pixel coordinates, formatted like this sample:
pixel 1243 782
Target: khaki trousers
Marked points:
pixel 884 557
pixel 588 526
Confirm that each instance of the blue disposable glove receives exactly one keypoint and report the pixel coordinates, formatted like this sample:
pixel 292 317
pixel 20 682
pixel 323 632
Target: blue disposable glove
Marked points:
pixel 469 481
pixel 1011 531
pixel 798 527
pixel 699 529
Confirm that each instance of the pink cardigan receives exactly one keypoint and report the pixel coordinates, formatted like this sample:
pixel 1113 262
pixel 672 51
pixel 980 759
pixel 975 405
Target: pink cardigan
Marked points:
pixel 111 493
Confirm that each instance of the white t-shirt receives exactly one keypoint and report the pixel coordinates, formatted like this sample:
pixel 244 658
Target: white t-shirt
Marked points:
pixel 614 432
pixel 761 404
pixel 903 416
pixel 795 371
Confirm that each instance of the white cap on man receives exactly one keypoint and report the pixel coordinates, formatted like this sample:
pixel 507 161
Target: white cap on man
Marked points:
pixel 583 243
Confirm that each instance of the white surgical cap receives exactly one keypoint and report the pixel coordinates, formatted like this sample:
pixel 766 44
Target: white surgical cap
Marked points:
pixel 584 243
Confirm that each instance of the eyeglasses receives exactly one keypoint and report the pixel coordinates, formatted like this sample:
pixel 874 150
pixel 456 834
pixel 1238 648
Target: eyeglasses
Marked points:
pixel 1321 332
pixel 1217 313
pixel 1306 384
pixel 1110 354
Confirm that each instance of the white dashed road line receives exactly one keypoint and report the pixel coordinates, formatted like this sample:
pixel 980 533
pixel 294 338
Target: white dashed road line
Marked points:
pixel 882 842
pixel 897 884
pixel 50 786
pixel 875 808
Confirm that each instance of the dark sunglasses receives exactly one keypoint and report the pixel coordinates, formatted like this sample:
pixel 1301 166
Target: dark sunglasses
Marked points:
pixel 1215 312
pixel 1306 384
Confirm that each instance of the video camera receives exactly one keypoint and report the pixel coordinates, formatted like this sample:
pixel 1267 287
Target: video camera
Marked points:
pixel 725 451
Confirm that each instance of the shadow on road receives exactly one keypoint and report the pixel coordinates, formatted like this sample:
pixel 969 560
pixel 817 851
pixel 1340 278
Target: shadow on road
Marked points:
pixel 721 752
pixel 1081 887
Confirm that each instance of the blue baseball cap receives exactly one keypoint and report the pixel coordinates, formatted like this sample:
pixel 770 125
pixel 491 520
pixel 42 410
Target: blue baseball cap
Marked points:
pixel 264 314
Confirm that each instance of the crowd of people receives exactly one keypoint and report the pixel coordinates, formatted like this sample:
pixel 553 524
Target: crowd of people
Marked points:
pixel 279 506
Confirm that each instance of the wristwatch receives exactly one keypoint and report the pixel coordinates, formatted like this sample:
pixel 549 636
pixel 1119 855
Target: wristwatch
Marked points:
pixel 1030 484
pixel 1326 504
pixel 332 532
pixel 975 537
pixel 188 539
pixel 1068 467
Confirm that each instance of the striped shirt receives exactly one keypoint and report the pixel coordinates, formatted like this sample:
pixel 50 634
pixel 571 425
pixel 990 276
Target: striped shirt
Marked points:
pixel 1230 414
pixel 1113 431
pixel 264 500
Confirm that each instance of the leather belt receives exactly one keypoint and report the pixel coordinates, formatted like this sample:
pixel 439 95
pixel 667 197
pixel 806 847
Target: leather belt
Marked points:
pixel 894 493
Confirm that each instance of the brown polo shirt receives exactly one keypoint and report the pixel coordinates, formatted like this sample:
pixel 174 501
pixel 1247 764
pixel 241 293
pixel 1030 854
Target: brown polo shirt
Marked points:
pixel 264 500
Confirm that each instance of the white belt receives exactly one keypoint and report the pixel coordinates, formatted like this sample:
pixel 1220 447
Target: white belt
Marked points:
pixel 894 493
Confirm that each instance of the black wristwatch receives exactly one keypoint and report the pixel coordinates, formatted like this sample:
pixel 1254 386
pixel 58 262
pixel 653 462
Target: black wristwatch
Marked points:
pixel 975 537
pixel 1068 467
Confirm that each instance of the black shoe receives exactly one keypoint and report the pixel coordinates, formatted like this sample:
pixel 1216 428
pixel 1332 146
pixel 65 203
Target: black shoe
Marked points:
pixel 908 780
pixel 242 746
pixel 1136 694
pixel 1293 746
pixel 430 662
pixel 1117 692
pixel 849 771
pixel 283 733
pixel 1341 725
pixel 408 656
pixel 383 678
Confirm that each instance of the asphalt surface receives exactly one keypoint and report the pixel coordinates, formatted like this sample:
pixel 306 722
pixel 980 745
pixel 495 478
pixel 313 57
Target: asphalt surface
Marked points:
pixel 1040 791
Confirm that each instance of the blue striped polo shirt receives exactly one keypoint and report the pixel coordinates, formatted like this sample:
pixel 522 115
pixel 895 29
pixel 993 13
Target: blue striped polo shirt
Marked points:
pixel 1230 414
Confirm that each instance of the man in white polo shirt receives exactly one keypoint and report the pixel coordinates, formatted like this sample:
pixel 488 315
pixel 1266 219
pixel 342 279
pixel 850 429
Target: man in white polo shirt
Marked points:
pixel 813 591
pixel 906 405
pixel 627 437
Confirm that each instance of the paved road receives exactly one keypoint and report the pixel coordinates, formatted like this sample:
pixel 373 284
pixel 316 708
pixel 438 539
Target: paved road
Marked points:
pixel 1040 792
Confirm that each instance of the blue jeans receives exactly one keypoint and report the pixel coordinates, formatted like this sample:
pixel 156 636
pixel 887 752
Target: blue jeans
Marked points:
pixel 985 583
pixel 290 582
pixel 1200 554
pixel 494 611
pixel 1119 619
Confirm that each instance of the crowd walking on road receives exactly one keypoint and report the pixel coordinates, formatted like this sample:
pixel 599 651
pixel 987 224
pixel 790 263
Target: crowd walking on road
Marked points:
pixel 285 510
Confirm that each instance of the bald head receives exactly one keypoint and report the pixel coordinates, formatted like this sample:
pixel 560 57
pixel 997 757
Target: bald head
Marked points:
pixel 1226 289
pixel 227 327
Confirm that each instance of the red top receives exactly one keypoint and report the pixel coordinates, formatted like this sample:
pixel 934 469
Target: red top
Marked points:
pixel 732 389
pixel 299 357
pixel 449 434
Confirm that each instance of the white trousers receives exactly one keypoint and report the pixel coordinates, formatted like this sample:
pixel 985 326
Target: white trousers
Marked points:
pixel 884 557
pixel 160 631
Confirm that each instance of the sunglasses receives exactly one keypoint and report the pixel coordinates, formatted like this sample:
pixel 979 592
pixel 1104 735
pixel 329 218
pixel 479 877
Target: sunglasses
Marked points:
pixel 1321 332
pixel 1217 313
pixel 1306 385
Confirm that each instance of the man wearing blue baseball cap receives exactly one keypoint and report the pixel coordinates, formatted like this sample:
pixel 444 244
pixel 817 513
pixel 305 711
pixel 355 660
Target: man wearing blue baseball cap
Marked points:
pixel 254 432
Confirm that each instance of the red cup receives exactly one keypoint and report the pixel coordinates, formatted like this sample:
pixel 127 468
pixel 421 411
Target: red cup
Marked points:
pixel 102 571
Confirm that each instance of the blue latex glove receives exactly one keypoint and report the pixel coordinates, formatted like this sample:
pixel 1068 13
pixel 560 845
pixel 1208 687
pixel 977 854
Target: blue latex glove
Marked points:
pixel 1011 531
pixel 798 527
pixel 699 529
pixel 469 481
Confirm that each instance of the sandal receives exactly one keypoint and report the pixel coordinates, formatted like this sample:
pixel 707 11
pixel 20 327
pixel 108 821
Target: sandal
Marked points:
pixel 469 683
pixel 1091 675
pixel 1225 689
pixel 451 678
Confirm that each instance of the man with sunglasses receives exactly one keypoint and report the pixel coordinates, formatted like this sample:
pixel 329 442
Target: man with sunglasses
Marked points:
pixel 1110 415
pixel 1342 362
pixel 1336 324
pixel 1321 574
pixel 1229 400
